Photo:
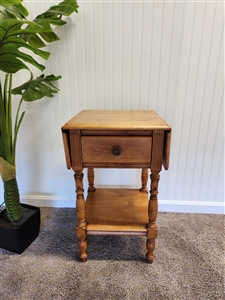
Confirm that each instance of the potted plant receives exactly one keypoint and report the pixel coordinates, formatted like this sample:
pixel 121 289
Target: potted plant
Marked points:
pixel 21 41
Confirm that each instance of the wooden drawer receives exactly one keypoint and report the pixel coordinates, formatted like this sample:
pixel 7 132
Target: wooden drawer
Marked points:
pixel 110 151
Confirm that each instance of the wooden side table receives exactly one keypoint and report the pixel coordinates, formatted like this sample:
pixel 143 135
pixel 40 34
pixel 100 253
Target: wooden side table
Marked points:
pixel 117 139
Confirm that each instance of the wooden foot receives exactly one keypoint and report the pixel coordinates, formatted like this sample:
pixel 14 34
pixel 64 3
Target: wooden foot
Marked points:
pixel 82 242
pixel 83 252
pixel 150 245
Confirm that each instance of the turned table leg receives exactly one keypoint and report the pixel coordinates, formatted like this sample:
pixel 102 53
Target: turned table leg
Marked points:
pixel 91 177
pixel 144 181
pixel 80 210
pixel 152 214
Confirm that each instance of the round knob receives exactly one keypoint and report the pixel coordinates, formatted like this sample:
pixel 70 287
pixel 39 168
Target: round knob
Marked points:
pixel 116 151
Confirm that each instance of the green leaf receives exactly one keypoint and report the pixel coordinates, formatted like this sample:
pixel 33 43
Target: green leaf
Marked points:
pixel 9 55
pixel 64 8
pixel 61 9
pixel 10 64
pixel 4 13
pixel 35 41
pixel 13 11
pixel 14 27
pixel 11 43
pixel 23 11
pixel 54 16
pixel 57 21
pixel 49 36
pixel 9 2
pixel 37 88
pixel 16 43
pixel 72 3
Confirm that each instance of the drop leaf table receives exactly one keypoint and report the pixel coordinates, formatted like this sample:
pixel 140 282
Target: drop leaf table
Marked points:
pixel 117 139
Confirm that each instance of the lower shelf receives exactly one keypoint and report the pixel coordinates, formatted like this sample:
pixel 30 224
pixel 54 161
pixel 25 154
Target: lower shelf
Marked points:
pixel 117 211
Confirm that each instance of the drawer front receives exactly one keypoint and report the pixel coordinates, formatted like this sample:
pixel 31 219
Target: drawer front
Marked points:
pixel 119 151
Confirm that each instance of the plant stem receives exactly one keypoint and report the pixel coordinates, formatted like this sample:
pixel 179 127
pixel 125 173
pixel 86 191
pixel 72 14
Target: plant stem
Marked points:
pixel 7 114
pixel 16 129
pixel 12 200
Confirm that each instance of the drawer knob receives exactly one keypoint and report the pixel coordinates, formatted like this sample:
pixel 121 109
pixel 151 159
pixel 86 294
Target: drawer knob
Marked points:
pixel 116 151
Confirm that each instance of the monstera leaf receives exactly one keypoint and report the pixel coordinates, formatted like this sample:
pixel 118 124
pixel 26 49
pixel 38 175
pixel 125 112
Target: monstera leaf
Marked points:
pixel 37 88
pixel 17 33
pixel 9 2
pixel 13 10
pixel 11 57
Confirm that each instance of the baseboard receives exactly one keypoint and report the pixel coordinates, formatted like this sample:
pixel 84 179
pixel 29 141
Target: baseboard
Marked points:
pixel 192 207
pixel 164 205
pixel 47 201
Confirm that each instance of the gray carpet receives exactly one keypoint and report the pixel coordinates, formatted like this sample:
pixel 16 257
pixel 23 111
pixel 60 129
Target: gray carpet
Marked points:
pixel 189 262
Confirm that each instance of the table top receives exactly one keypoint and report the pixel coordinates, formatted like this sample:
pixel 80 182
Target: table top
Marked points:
pixel 116 120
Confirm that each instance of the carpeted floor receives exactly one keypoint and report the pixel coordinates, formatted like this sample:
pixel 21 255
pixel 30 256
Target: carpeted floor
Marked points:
pixel 189 262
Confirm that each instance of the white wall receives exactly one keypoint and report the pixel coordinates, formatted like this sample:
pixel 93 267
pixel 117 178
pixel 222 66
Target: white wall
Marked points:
pixel 160 55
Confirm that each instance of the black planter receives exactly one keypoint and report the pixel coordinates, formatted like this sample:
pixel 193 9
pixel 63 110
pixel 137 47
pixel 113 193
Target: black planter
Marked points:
pixel 17 237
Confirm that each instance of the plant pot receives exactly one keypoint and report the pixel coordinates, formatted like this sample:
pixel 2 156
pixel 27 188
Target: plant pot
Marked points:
pixel 17 237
